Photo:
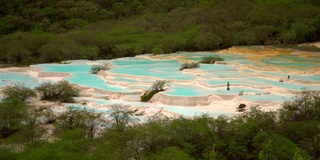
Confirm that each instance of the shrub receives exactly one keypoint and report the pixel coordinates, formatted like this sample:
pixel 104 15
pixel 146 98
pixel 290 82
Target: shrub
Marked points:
pixel 148 95
pixel 211 59
pixel 19 91
pixel 305 106
pixel 61 91
pixel 189 65
pixel 96 68
pixel 86 120
pixel 45 114
pixel 121 116
pixel 158 85
pixel 12 113
pixel 158 49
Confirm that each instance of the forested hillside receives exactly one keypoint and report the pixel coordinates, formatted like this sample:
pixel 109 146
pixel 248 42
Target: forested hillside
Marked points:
pixel 34 31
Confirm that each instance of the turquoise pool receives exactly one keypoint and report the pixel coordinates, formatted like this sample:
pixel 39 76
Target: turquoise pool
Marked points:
pixel 267 97
pixel 80 75
pixel 7 79
pixel 162 69
pixel 138 73
pixel 286 85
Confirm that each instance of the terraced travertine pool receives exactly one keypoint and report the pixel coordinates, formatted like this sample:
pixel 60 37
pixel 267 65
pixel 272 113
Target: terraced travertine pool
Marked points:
pixel 254 79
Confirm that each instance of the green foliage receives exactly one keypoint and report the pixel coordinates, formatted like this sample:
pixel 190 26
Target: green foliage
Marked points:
pixel 121 116
pixel 157 86
pixel 273 146
pixel 18 91
pixel 90 52
pixel 189 65
pixel 7 154
pixel 61 91
pixel 157 50
pixel 211 59
pixel 96 68
pixel 96 29
pixel 76 23
pixel 171 153
pixel 254 134
pixel 85 120
pixel 12 113
pixel 148 95
pixel 305 106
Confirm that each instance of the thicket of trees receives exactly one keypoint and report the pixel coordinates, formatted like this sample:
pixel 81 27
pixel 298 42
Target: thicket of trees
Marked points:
pixel 290 133
pixel 50 31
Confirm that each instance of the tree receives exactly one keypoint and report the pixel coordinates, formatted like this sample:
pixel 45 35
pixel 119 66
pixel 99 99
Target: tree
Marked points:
pixel 159 85
pixel 12 114
pixel 61 91
pixel 50 52
pixel 76 23
pixel 96 68
pixel 19 91
pixel 121 116
pixel 17 53
pixel 85 10
pixel 288 36
pixel 171 153
pixel 274 146
pixel 305 106
pixel 88 121
pixel 158 49
pixel 90 52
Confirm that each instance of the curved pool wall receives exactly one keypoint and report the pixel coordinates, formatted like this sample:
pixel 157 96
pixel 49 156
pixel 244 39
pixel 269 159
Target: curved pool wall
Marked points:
pixel 103 106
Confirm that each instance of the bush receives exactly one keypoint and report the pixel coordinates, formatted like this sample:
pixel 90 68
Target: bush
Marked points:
pixel 12 113
pixel 86 120
pixel 148 95
pixel 189 65
pixel 211 59
pixel 158 85
pixel 121 116
pixel 61 91
pixel 96 68
pixel 19 91
pixel 305 106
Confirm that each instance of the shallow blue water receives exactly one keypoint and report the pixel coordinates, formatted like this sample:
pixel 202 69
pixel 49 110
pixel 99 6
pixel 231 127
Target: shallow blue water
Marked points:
pixel 303 76
pixel 214 75
pixel 286 85
pixel 80 75
pixel 194 91
pixel 267 97
pixel 162 69
pixel 7 79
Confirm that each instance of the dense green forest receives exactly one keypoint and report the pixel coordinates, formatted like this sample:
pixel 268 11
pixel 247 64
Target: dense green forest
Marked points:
pixel 30 132
pixel 36 31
